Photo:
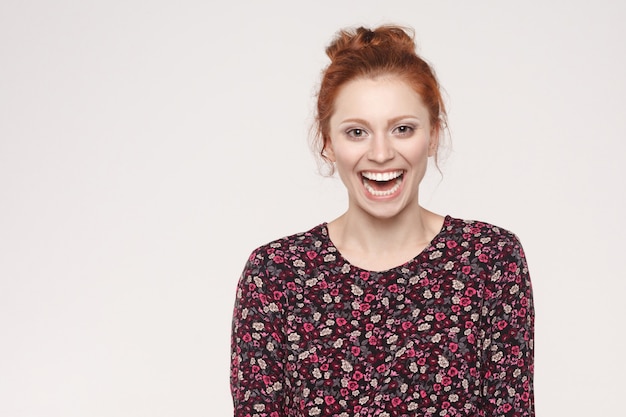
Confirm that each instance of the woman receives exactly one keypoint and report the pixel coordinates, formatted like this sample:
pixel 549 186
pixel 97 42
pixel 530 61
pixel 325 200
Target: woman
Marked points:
pixel 390 309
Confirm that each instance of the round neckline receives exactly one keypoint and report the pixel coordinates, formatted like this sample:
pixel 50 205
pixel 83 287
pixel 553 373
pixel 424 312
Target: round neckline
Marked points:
pixel 446 222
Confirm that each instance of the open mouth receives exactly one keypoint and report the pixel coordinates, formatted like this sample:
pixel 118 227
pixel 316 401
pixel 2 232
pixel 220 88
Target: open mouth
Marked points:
pixel 382 184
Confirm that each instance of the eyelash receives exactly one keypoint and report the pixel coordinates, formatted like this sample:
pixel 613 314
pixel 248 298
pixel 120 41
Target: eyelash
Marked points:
pixel 407 131
pixel 352 133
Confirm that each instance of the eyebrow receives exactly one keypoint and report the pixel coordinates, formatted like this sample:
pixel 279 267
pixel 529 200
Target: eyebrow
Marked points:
pixel 390 121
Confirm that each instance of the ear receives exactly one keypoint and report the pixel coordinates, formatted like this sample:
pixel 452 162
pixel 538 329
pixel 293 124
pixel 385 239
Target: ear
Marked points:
pixel 329 152
pixel 434 141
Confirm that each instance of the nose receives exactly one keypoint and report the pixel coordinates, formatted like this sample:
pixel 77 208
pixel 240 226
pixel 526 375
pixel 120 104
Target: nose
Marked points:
pixel 381 149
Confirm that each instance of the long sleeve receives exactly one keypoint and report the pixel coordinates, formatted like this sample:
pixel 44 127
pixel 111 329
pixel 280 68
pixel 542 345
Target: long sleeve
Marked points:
pixel 509 330
pixel 257 357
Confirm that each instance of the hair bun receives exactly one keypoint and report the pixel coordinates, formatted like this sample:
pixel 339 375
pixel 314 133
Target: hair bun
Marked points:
pixel 392 37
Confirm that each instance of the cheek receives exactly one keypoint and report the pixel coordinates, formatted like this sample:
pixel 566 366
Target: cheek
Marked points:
pixel 417 153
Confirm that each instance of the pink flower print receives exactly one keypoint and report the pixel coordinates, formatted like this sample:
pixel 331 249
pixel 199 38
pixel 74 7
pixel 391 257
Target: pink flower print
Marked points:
pixel 255 369
pixel 439 316
pixel 406 325
pixel 329 400
pixel 356 351
pixel 291 286
pixel 308 327
pixel 483 258
pixel 470 292
pixel 381 368
pixel 364 275
pixel 352 385
pixel 453 347
pixel 512 267
pixel 488 293
pixel 502 324
pixel 341 321
pixel 278 259
pixel 395 401
pixel 453 371
pixel 466 269
pixel 357 376
pixel 372 340
pixel 364 307
pixel 277 295
pixel 465 301
pixel 446 380
pixel 324 367
pixel 246 338
pixel 369 298
pixel 311 254
pixel 451 244
pixel 393 288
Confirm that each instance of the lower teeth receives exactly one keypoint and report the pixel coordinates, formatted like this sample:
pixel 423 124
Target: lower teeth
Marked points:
pixel 384 193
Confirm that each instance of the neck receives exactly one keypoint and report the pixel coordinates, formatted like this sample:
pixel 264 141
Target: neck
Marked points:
pixel 377 244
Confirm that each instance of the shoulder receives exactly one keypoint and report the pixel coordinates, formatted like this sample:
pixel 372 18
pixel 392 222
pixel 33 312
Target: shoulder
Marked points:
pixel 293 244
pixel 482 239
pixel 478 231
pixel 285 252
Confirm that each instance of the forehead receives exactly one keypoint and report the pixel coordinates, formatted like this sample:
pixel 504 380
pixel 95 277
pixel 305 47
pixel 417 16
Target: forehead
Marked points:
pixel 378 98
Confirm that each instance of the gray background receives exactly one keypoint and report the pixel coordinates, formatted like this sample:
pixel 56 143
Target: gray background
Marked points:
pixel 147 147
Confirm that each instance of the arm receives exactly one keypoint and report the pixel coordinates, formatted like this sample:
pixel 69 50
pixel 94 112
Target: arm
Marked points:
pixel 509 326
pixel 257 374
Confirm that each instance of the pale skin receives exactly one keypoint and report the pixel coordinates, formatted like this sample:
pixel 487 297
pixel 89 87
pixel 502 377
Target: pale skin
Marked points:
pixel 380 141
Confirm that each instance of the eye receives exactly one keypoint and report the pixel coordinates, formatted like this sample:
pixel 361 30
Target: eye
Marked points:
pixel 356 133
pixel 404 130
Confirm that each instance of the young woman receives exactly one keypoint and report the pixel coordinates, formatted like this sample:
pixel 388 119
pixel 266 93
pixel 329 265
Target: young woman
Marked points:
pixel 390 309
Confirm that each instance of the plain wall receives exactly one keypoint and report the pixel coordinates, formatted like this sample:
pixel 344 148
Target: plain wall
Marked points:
pixel 147 147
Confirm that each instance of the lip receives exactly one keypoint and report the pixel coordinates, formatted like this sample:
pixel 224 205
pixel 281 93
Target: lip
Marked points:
pixel 370 177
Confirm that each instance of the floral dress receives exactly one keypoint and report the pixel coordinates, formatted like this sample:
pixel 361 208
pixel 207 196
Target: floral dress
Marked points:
pixel 449 333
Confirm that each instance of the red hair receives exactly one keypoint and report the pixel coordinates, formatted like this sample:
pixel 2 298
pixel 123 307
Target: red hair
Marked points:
pixel 364 53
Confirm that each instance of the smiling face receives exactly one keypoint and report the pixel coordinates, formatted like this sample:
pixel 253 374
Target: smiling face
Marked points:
pixel 380 141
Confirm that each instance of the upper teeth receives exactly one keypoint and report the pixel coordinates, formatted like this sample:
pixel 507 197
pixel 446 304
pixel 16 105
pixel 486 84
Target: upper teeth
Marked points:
pixel 381 176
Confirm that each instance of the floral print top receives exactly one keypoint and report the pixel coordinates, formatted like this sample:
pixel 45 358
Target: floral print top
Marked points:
pixel 449 333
